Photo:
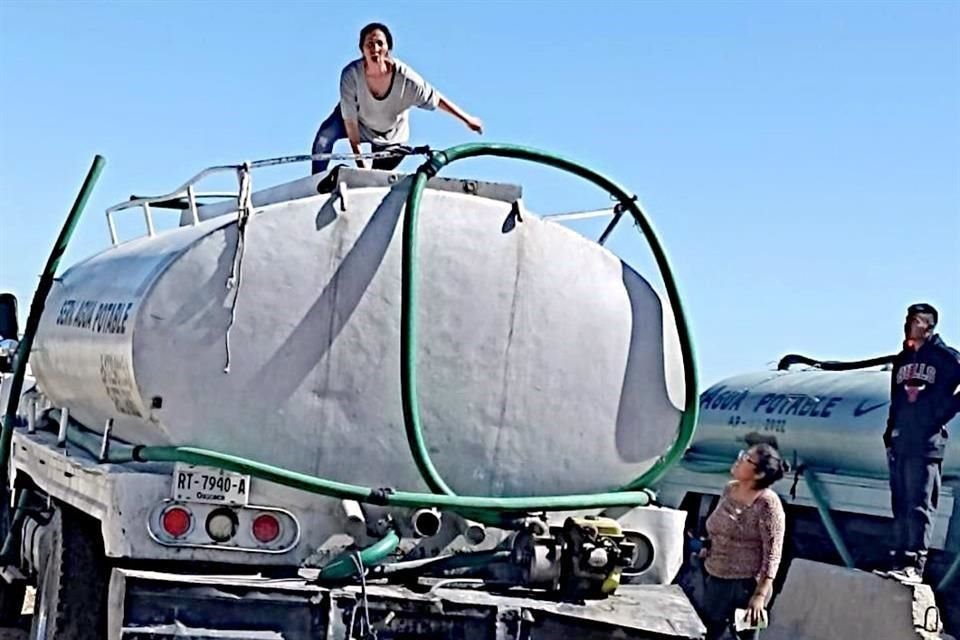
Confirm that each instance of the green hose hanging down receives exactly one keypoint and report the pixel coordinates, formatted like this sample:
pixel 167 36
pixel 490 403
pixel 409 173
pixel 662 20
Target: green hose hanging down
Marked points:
pixel 489 509
pixel 36 309
pixel 123 453
pixel 9 521
pixel 408 325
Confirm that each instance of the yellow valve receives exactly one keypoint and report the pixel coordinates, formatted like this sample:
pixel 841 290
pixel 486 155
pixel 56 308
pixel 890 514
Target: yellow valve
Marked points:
pixel 612 582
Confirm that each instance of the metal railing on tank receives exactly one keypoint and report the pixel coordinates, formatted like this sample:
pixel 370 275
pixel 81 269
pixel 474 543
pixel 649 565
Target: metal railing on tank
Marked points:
pixel 186 196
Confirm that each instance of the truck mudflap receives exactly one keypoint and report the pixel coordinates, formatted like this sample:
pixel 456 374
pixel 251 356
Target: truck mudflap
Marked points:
pixel 152 605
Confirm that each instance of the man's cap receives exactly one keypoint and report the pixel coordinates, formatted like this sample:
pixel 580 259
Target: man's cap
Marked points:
pixel 923 307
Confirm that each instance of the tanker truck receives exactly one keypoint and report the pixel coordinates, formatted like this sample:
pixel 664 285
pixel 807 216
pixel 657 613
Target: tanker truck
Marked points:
pixel 353 405
pixel 827 419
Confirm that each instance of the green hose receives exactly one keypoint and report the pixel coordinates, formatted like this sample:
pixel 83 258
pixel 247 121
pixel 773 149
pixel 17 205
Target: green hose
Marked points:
pixel 36 309
pixel 8 554
pixel 699 463
pixel 407 499
pixel 408 325
pixel 123 453
pixel 475 506
pixel 343 567
pixel 951 573
pixel 823 508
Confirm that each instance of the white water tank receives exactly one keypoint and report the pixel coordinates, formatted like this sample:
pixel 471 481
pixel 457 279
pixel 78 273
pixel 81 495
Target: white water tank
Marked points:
pixel 542 366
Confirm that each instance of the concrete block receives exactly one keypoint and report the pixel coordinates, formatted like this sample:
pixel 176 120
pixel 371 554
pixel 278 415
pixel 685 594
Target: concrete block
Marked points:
pixel 826 602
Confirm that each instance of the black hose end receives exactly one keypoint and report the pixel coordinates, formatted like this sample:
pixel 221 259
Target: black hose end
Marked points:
pixel 380 496
pixel 791 359
pixel 432 167
pixel 136 454
pixel 621 206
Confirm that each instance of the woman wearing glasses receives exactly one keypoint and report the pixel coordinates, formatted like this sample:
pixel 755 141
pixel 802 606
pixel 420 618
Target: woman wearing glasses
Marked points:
pixel 745 541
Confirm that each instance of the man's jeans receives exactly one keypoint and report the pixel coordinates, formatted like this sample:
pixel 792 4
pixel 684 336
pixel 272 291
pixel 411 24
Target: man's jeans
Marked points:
pixel 914 494
pixel 332 130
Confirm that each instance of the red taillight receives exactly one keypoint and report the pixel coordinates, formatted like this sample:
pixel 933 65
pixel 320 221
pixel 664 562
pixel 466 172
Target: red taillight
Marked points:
pixel 266 528
pixel 176 521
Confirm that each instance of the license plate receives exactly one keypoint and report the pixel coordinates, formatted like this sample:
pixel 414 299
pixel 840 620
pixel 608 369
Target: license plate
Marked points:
pixel 192 483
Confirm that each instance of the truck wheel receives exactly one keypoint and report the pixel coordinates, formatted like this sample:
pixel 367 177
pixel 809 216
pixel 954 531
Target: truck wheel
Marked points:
pixel 71 586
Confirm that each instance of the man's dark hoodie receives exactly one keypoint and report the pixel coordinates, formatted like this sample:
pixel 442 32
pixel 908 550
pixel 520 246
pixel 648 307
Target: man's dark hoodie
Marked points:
pixel 923 399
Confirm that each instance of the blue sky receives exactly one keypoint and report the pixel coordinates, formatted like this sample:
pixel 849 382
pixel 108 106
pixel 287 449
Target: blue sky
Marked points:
pixel 801 160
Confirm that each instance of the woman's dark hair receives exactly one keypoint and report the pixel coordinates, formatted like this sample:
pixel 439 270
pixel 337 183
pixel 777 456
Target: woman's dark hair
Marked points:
pixel 770 464
pixel 376 26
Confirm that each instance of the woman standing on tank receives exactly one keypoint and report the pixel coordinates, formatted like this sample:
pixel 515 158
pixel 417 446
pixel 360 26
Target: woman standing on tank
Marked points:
pixel 745 541
pixel 376 93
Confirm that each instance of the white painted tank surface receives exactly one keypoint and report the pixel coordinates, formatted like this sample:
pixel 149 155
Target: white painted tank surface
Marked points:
pixel 830 420
pixel 541 355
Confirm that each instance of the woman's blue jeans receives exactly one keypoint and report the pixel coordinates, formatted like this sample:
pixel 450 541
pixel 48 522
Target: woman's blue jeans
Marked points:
pixel 332 130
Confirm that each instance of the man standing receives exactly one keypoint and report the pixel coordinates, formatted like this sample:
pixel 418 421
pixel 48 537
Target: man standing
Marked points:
pixel 923 398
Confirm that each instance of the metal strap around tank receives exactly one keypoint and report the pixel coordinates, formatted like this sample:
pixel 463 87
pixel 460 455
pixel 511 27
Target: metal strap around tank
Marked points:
pixel 244 213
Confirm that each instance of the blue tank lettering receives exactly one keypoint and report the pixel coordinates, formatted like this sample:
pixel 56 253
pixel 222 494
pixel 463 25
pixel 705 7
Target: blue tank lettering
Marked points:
pixel 797 404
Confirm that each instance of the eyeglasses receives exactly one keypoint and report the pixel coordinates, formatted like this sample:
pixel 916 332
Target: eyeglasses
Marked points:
pixel 743 456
